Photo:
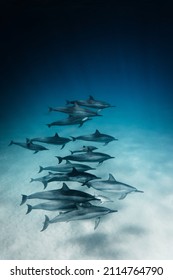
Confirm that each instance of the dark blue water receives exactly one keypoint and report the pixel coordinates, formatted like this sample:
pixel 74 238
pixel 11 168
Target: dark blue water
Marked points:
pixel 117 52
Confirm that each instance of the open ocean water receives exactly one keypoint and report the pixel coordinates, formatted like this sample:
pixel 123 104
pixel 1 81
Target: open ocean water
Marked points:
pixel 118 53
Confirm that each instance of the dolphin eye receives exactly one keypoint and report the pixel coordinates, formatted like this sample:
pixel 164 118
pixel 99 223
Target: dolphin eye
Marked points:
pixel 84 146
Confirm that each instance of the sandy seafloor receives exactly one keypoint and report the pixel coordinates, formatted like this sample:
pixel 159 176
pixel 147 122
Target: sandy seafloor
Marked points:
pixel 141 229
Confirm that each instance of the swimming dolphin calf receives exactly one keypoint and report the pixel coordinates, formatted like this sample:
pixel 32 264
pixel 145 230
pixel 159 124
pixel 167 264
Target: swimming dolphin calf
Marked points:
pixel 96 137
pixel 29 145
pixel 53 206
pixel 91 102
pixel 55 140
pixel 83 212
pixel 76 110
pixel 67 167
pixel 86 157
pixel 71 120
pixel 65 193
pixel 84 149
pixel 114 186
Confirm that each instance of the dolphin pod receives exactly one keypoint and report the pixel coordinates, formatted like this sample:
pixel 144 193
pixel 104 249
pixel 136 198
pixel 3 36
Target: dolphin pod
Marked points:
pixel 70 203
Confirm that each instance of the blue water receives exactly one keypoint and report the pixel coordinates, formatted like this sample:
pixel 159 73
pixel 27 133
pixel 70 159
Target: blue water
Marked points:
pixel 125 59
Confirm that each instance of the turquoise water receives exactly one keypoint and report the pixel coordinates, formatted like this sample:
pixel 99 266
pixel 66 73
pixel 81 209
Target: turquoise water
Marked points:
pixel 126 61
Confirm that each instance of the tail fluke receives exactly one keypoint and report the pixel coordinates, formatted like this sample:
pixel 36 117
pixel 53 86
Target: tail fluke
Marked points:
pixel 49 125
pixel 71 152
pixel 32 180
pixel 24 199
pixel 46 223
pixel 73 138
pixel 29 208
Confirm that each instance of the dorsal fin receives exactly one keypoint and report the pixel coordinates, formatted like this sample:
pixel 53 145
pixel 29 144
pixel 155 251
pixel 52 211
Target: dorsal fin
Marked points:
pixel 97 132
pixel 74 171
pixel 91 97
pixel 65 187
pixel 56 135
pixel 68 162
pixel 76 105
pixel 111 178
pixel 28 141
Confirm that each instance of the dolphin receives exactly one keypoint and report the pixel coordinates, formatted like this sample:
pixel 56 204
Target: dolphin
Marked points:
pixel 86 157
pixel 29 145
pixel 114 186
pixel 51 177
pixel 91 102
pixel 67 167
pixel 83 212
pixel 65 194
pixel 81 176
pixel 84 149
pixel 55 140
pixel 54 205
pixel 74 175
pixel 96 137
pixel 71 120
pixel 76 110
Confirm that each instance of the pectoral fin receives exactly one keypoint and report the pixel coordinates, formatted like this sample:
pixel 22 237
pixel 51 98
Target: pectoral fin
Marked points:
pixel 97 221
pixel 123 196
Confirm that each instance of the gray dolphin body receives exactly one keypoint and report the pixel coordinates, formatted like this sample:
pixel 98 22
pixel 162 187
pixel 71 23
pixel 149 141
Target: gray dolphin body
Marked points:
pixel 91 102
pixel 71 120
pixel 114 186
pixel 76 110
pixel 56 205
pixel 51 177
pixel 55 140
pixel 29 145
pixel 67 167
pixel 84 149
pixel 86 157
pixel 81 176
pixel 96 137
pixel 74 175
pixel 83 212
pixel 65 193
